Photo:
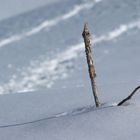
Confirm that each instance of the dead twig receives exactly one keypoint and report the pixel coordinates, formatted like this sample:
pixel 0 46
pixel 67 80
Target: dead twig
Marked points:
pixel 92 74
pixel 129 97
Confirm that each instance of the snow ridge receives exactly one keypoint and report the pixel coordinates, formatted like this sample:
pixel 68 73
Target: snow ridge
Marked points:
pixel 63 114
pixel 70 113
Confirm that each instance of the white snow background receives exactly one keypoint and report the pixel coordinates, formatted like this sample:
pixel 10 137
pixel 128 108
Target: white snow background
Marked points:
pixel 44 83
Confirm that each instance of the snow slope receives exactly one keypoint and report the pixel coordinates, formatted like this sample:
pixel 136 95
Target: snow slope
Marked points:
pixel 44 84
pixel 36 117
pixel 44 46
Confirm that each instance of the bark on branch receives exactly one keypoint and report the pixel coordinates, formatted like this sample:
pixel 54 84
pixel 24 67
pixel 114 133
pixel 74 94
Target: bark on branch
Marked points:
pixel 92 74
pixel 129 97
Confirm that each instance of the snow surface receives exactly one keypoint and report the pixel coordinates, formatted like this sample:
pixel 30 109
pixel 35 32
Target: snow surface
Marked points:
pixel 44 84
pixel 38 116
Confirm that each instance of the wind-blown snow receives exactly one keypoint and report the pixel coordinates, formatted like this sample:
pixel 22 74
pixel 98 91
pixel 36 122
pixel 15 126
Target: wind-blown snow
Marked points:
pixel 49 23
pixel 33 60
pixel 44 72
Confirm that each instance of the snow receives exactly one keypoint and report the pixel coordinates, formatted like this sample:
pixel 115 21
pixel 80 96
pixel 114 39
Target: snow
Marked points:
pixel 44 85
pixel 48 24
pixel 37 116
pixel 55 68
pixel 40 104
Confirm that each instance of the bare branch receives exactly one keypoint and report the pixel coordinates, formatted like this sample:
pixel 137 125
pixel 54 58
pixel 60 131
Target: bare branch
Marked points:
pixel 129 97
pixel 92 74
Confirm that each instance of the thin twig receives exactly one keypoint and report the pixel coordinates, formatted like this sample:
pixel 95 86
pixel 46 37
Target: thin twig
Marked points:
pixel 129 97
pixel 92 74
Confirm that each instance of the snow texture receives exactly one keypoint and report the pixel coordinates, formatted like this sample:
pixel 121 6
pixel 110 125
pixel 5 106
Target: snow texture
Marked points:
pixel 44 85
